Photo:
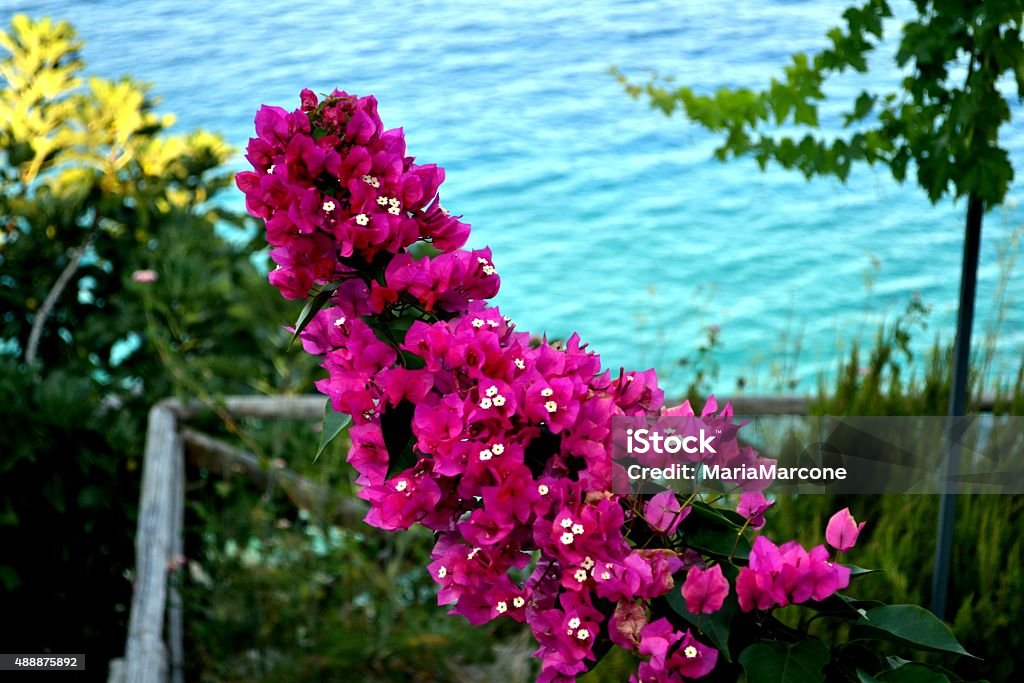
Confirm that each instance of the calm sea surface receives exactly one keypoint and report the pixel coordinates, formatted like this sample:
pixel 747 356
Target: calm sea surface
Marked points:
pixel 604 216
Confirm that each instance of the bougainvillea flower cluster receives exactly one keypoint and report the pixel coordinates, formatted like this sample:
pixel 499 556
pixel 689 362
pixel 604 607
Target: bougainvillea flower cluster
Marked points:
pixel 497 441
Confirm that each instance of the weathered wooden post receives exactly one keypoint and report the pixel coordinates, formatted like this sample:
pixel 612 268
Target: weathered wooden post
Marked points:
pixel 157 539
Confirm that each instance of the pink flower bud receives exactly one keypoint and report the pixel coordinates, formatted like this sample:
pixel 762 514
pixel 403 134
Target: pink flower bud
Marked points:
pixel 842 530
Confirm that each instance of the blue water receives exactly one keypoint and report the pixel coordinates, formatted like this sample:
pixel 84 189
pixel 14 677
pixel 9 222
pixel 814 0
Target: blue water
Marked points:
pixel 604 216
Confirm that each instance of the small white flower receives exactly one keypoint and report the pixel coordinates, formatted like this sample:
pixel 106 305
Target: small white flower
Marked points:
pixel 328 206
pixel 401 485
pixel 442 572
pixel 498 448
pixel 499 400
pixel 489 270
pixel 493 323
pixel 574 622
pixel 472 553
pixel 382 201
pixel 577 529
pixel 394 202
pixel 394 210
pixel 566 522
pixel 502 607
pixel 482 260
pixel 478 323
pixel 690 652
pixel 486 454
pixel 583 634
pixel 587 563
pixel 547 391
pixel 567 538
pixel 492 391
pixel 506 318
pixel 339 322
pixel 605 575
pixel 518 602
pixel 485 403
pixel 270 170
pixel 551 406
pixel 362 219
pixel 580 575
pixel 520 363
pixel 543 489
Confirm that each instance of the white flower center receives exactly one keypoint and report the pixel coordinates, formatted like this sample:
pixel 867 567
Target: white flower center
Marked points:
pixel 339 322
pixel 492 391
pixel 566 522
pixel 499 400
pixel 520 363
pixel 401 485
pixel 690 652
pixel 551 406
pixel 498 448
pixel 502 607
pixel 442 572
pixel 583 634
pixel 567 538
pixel 486 454
pixel 518 601
pixel 543 489
pixel 547 391
pixel 577 529
pixel 328 206
pixel 574 622
pixel 580 575
pixel 485 403
pixel 362 219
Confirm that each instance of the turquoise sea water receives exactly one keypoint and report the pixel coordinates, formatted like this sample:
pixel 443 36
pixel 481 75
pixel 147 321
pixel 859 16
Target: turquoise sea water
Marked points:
pixel 604 216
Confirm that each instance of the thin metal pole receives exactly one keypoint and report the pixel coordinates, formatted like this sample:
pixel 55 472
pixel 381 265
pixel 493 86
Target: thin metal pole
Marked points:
pixel 957 404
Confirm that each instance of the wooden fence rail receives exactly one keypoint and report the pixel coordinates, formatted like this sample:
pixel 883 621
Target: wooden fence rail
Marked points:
pixel 154 651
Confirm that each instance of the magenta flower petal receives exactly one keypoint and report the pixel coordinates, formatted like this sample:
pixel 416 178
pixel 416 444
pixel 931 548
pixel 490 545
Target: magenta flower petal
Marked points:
pixel 705 590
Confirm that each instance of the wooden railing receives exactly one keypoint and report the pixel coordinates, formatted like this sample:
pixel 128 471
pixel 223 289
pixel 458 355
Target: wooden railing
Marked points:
pixel 154 651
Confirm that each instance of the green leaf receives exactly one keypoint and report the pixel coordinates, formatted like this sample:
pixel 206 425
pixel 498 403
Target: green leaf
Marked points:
pixel 843 607
pixel 800 662
pixel 715 626
pixel 910 625
pixel 333 424
pixel 311 308
pixel 723 518
pixel 856 571
pixel 396 425
pixel 911 672
pixel 718 543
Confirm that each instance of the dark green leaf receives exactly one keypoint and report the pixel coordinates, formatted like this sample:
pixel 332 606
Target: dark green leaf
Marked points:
pixel 910 625
pixel 311 308
pixel 333 424
pixel 800 662
pixel 396 424
pixel 718 543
